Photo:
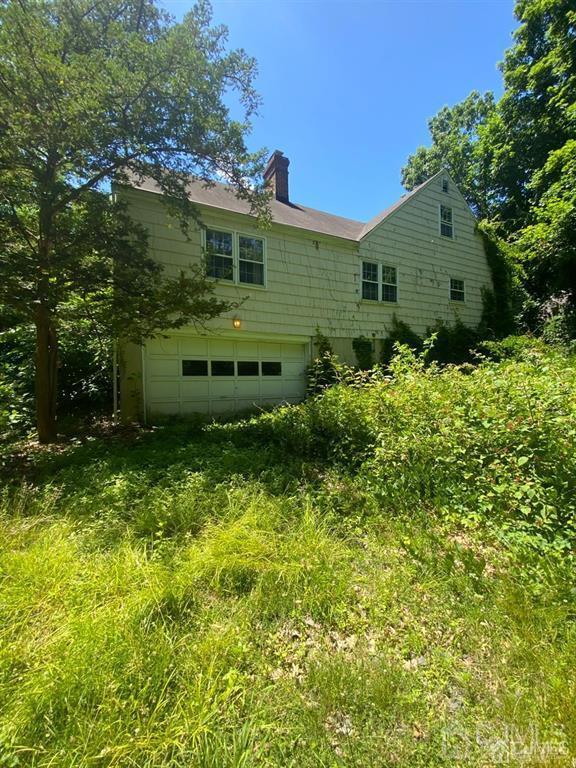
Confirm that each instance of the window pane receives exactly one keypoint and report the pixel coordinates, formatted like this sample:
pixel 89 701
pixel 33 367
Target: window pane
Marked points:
pixel 389 275
pixel 370 291
pixel 446 214
pixel 445 186
pixel 369 271
pixel 222 367
pixel 194 367
pixel 446 229
pixel 271 369
pixel 220 267
pixel 389 293
pixel 251 248
pixel 219 242
pixel 247 368
pixel 251 272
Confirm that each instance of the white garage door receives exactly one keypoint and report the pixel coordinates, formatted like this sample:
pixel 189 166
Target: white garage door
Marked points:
pixel 190 374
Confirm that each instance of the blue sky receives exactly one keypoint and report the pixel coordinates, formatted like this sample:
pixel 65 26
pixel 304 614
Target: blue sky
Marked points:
pixel 348 87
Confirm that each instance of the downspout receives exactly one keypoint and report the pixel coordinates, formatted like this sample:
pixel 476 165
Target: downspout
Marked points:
pixel 115 383
pixel 144 403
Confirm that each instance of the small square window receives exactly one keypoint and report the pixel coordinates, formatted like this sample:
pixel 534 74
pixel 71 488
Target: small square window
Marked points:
pixel 446 227
pixel 222 367
pixel 271 369
pixel 248 368
pixel 194 367
pixel 456 289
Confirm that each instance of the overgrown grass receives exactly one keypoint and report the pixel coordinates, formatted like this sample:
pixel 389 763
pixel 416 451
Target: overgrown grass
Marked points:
pixel 382 576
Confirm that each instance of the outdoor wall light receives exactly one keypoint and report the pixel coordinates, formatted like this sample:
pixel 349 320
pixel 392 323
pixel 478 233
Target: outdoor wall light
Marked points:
pixel 236 322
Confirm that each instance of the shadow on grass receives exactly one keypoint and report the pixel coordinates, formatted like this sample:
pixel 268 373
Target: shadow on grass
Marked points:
pixel 151 457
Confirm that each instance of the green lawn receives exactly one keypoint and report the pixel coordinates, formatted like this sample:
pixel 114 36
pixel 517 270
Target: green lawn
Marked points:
pixel 301 589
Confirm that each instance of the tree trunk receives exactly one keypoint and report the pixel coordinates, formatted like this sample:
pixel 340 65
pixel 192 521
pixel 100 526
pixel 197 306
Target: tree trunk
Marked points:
pixel 46 375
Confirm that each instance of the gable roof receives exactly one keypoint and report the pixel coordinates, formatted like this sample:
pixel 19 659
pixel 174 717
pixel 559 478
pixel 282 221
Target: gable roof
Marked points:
pixel 222 197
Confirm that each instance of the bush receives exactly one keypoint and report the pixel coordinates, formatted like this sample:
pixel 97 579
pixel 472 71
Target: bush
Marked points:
pixel 400 333
pixel 364 353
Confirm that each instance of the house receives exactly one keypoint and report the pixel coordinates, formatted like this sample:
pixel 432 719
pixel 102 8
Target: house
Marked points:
pixel 421 260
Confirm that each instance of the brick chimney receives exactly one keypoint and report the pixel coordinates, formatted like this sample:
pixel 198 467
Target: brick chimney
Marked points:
pixel 276 176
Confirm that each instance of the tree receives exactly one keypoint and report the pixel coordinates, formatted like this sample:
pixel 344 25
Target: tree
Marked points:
pixel 92 92
pixel 515 159
pixel 456 146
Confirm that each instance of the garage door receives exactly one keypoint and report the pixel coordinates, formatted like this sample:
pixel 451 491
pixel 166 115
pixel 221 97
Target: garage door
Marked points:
pixel 190 374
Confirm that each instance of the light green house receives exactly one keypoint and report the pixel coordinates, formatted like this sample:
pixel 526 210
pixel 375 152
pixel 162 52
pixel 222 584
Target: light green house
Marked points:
pixel 421 260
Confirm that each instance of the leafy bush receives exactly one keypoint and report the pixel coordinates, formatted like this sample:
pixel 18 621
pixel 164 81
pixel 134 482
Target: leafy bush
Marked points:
pixel 400 333
pixel 364 353
pixel 496 442
pixel 453 344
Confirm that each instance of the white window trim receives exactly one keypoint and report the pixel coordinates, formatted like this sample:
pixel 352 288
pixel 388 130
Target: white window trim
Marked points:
pixel 379 264
pixel 447 237
pixel 456 301
pixel 236 234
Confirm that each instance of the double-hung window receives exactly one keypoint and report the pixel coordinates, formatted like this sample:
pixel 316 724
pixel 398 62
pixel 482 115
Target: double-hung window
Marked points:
pixel 379 282
pixel 220 254
pixel 235 257
pixel 457 289
pixel 446 226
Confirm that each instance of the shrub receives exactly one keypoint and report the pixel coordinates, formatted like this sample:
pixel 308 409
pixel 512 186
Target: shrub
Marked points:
pixel 400 333
pixel 453 344
pixel 364 353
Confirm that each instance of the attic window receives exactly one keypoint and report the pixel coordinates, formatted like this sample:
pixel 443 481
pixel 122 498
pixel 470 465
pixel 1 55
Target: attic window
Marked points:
pixel 445 185
pixel 446 227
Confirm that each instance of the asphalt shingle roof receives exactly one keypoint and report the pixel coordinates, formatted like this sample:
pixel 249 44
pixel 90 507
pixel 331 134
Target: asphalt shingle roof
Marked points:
pixel 222 196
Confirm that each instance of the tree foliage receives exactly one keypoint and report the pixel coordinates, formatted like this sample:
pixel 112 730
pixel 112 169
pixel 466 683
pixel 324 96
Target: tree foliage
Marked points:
pixel 111 91
pixel 515 159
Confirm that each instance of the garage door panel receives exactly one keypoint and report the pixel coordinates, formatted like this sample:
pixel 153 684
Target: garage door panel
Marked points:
pixel 195 406
pixel 247 350
pixel 223 388
pixel 164 390
pixel 162 346
pixel 292 369
pixel 272 388
pixel 164 408
pixel 293 352
pixel 163 367
pixel 194 347
pixel 268 350
pixel 195 389
pixel 221 348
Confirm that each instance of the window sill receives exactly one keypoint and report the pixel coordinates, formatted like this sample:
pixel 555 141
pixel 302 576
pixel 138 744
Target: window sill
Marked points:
pixel 234 283
pixel 378 303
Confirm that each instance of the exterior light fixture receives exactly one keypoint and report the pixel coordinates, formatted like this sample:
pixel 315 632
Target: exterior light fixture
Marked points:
pixel 236 322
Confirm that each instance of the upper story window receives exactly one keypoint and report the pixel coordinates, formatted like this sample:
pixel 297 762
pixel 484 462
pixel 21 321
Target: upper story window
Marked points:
pixel 445 185
pixel 379 282
pixel 235 257
pixel 446 226
pixel 457 289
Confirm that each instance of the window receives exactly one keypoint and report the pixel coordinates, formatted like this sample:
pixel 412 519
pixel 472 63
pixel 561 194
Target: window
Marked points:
pixel 456 289
pixel 446 227
pixel 194 367
pixel 219 250
pixel 251 259
pixel 248 368
pixel 379 282
pixel 445 185
pixel 222 367
pixel 271 369
pixel 234 257
pixel 369 281
pixel 389 284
